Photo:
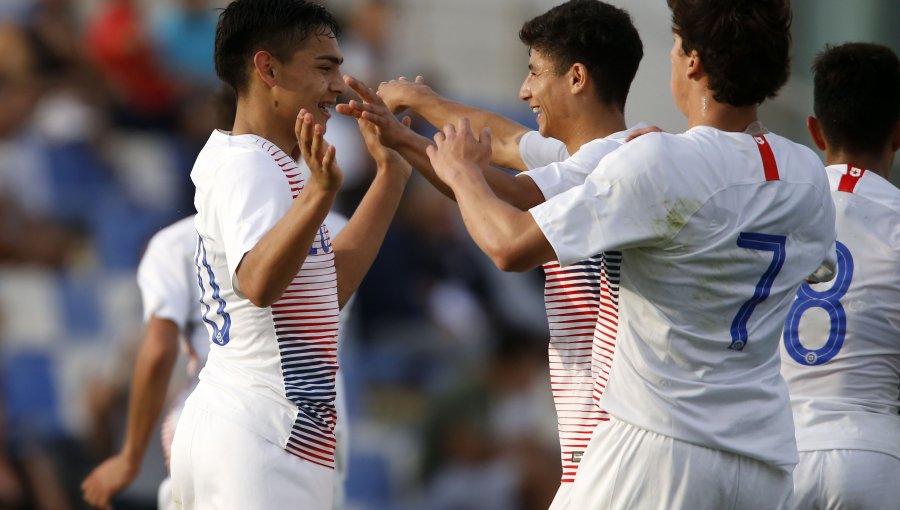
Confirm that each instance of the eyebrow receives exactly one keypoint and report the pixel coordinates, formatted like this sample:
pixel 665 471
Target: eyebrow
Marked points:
pixel 334 60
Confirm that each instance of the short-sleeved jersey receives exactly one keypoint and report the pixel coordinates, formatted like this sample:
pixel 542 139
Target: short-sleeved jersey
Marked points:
pixel 577 298
pixel 716 231
pixel 270 370
pixel 167 278
pixel 841 345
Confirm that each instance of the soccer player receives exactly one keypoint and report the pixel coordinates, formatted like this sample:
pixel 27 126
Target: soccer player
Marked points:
pixel 841 349
pixel 717 228
pixel 167 278
pixel 583 57
pixel 258 430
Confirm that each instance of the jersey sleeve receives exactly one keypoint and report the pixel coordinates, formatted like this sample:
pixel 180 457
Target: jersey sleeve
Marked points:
pixel 164 281
pixel 250 198
pixel 620 206
pixel 537 151
pixel 561 176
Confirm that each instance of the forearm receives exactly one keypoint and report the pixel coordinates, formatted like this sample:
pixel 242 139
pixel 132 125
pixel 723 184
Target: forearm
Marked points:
pixel 507 235
pixel 266 270
pixel 439 111
pixel 358 243
pixel 149 386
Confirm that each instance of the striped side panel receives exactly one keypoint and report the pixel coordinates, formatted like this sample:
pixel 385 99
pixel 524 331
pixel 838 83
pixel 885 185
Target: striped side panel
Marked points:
pixel 572 296
pixel 604 345
pixel 306 326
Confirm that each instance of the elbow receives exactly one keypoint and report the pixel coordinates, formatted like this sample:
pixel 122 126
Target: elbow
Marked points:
pixel 510 260
pixel 260 297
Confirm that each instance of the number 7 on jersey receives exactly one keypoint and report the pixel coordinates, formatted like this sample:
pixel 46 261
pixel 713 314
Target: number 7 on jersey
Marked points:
pixel 762 242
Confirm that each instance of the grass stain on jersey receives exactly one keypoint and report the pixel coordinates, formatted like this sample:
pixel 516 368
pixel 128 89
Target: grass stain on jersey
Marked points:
pixel 678 212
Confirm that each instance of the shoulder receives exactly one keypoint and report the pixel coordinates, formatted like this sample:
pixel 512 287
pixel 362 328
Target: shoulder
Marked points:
pixel 175 240
pixel 228 158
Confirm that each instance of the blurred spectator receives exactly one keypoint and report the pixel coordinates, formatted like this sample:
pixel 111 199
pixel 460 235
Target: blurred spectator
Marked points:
pixel 484 447
pixel 185 34
pixel 119 46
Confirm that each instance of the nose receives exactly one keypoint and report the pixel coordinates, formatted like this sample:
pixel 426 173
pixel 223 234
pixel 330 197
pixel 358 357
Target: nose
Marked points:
pixel 525 91
pixel 337 84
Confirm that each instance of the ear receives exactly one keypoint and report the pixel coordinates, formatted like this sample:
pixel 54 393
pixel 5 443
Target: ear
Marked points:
pixel 264 67
pixel 815 132
pixel 578 78
pixel 695 68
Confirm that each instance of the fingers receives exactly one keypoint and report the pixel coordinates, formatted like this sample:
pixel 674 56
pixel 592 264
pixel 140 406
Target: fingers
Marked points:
pixel 406 120
pixel 303 132
pixel 317 147
pixel 485 136
pixel 420 79
pixel 365 93
pixel 642 131
pixel 328 159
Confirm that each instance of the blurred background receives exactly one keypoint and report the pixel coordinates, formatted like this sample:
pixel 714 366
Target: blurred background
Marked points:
pixel 104 105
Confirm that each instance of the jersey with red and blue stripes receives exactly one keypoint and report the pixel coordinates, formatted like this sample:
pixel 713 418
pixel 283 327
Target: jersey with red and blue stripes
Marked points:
pixel 270 369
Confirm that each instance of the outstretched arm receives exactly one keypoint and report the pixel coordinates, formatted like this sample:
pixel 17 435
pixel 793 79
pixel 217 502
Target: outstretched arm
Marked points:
pixel 149 385
pixel 519 191
pixel 510 237
pixel 357 245
pixel 439 111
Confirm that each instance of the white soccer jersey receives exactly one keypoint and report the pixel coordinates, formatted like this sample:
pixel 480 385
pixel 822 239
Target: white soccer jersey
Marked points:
pixel 167 278
pixel 576 297
pixel 270 370
pixel 714 243
pixel 841 348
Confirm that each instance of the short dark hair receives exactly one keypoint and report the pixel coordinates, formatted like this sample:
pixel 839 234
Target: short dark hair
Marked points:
pixel 857 95
pixel 595 34
pixel 744 45
pixel 277 26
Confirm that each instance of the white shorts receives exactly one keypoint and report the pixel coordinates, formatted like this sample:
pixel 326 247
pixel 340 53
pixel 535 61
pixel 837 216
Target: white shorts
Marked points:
pixel 219 465
pixel 626 467
pixel 857 479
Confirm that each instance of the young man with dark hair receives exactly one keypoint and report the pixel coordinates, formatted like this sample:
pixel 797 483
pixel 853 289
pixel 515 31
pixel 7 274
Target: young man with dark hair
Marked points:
pixel 717 227
pixel 258 430
pixel 842 361
pixel 583 57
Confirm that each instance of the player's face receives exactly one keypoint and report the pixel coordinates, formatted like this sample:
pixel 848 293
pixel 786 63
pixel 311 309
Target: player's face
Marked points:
pixel 678 82
pixel 545 92
pixel 311 79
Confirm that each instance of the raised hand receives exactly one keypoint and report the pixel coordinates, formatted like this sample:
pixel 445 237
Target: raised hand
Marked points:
pixel 318 155
pixel 373 110
pixel 456 151
pixel 396 94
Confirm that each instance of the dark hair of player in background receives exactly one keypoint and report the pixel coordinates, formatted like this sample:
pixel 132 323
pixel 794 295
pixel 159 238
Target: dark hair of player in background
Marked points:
pixel 595 34
pixel 744 45
pixel 277 26
pixel 857 95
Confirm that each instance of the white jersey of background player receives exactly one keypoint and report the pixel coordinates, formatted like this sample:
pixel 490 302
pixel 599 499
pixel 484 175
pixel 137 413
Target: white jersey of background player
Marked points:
pixel 578 86
pixel 717 230
pixel 841 348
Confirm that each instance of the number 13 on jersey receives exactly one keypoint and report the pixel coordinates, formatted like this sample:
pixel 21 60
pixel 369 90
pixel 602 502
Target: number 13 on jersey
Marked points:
pixel 828 300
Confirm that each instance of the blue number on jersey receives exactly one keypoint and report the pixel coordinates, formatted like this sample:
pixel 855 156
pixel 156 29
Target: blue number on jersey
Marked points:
pixel 761 242
pixel 323 243
pixel 828 300
pixel 220 335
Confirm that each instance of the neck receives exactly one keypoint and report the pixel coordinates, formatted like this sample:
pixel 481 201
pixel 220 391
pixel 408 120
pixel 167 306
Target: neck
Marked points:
pixel 256 117
pixel 592 124
pixel 706 111
pixel 878 163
